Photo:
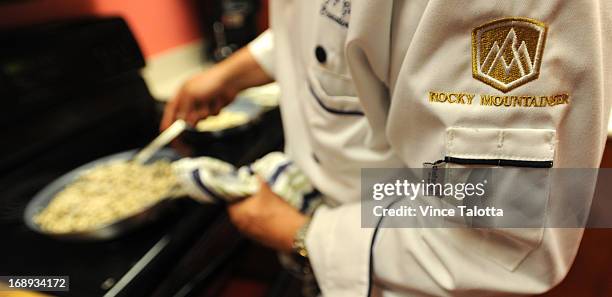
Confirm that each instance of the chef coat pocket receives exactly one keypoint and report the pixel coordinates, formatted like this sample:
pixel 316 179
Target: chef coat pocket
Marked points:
pixel 334 93
pixel 338 128
pixel 515 166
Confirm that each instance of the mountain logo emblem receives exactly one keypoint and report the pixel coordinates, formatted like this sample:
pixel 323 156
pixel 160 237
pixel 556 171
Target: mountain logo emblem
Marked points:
pixel 507 53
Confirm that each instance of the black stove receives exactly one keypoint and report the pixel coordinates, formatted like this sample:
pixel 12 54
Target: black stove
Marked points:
pixel 71 93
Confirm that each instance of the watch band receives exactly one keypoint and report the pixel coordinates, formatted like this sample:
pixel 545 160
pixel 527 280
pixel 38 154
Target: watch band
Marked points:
pixel 299 241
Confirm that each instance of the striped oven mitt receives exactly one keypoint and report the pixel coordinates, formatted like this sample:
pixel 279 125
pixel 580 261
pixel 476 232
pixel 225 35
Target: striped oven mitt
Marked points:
pixel 210 180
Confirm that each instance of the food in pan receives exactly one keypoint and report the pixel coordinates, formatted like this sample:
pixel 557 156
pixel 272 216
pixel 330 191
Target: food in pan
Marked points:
pixel 106 194
pixel 224 120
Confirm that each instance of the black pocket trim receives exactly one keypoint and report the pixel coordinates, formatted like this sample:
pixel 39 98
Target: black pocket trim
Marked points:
pixel 331 110
pixel 500 162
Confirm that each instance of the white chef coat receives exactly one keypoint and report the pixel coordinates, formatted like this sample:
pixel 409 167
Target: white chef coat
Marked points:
pixel 357 78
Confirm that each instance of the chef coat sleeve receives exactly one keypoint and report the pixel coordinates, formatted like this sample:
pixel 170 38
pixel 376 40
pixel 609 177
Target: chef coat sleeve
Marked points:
pixel 262 48
pixel 400 52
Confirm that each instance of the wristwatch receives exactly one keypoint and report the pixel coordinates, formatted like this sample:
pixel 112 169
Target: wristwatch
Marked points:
pixel 298 263
pixel 299 241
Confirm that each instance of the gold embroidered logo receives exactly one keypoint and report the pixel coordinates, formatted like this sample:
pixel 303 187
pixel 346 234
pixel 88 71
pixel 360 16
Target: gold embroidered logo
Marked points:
pixel 507 53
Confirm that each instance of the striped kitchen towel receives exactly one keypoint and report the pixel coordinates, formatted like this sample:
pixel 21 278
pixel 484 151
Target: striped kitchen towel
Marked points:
pixel 211 180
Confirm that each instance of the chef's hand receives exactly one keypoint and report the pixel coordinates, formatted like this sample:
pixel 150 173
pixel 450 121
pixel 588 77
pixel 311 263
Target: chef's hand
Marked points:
pixel 202 95
pixel 207 92
pixel 267 218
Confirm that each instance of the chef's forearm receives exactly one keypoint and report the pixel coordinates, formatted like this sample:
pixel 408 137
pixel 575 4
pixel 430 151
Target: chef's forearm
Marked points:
pixel 241 71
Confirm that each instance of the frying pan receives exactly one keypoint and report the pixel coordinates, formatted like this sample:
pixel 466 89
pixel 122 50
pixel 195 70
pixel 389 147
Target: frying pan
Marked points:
pixel 105 232
pixel 144 217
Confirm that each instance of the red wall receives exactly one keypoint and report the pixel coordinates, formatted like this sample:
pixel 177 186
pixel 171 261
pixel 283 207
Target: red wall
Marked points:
pixel 158 24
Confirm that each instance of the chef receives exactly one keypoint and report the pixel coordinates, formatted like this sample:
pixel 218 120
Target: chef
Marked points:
pixel 400 83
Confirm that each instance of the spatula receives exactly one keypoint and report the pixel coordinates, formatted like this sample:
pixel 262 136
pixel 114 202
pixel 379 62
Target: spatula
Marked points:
pixel 160 141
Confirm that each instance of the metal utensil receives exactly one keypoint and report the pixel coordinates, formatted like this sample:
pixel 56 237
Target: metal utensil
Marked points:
pixel 160 141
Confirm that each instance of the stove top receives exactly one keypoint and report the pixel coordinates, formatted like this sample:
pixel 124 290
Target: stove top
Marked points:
pixel 92 102
pixel 123 267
